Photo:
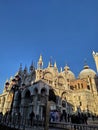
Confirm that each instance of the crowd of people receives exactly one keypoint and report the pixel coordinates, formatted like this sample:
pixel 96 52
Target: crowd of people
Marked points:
pixel 79 118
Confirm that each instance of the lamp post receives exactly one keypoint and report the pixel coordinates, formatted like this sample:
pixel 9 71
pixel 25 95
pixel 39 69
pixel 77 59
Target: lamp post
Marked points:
pixel 47 115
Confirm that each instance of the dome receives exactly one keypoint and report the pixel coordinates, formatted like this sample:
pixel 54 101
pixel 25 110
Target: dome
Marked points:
pixel 68 73
pixel 87 72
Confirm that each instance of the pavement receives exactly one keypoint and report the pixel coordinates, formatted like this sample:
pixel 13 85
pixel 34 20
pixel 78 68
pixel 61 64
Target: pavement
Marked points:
pixel 38 128
pixel 90 122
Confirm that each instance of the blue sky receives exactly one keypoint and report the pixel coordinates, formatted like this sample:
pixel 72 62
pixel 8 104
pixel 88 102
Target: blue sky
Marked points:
pixel 66 30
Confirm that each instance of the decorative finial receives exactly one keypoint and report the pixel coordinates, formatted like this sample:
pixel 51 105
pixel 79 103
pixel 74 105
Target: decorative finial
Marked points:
pixel 50 62
pixel 85 61
pixel 11 78
pixel 61 69
pixel 85 64
pixel 20 69
pixel 40 58
pixel 93 53
pixel 7 81
pixel 55 65
pixel 32 66
pixel 40 62
pixel 25 69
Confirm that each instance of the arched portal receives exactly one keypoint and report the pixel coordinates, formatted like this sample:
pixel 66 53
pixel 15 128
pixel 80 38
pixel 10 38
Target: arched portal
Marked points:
pixel 27 97
pixel 52 99
pixel 27 104
pixel 66 103
pixel 52 96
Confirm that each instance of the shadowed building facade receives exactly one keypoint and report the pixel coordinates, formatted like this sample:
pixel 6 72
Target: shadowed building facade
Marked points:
pixel 30 90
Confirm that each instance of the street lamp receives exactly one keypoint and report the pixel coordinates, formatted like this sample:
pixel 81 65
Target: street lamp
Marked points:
pixel 47 110
pixel 47 115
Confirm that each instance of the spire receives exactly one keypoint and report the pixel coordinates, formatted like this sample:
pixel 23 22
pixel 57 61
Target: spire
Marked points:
pixel 40 62
pixel 20 69
pixel 11 78
pixel 85 61
pixel 95 56
pixel 61 69
pixel 55 65
pixel 6 85
pixel 7 82
pixel 25 70
pixel 50 62
pixel 32 67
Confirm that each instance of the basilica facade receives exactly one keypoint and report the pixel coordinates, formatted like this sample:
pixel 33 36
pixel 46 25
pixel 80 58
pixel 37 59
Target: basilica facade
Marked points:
pixel 31 90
